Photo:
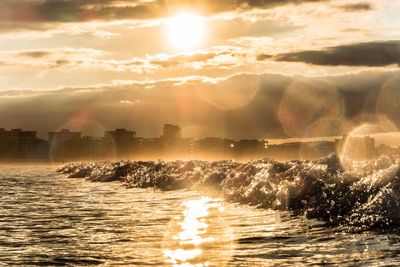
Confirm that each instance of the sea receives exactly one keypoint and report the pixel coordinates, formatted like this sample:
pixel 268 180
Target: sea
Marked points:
pixel 49 219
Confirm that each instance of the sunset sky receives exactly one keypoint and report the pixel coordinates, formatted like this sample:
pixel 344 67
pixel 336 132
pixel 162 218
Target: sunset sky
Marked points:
pixel 233 68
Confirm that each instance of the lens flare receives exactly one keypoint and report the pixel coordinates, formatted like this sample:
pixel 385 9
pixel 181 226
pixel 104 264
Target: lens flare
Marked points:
pixel 306 102
pixel 388 103
pixel 241 91
pixel 359 145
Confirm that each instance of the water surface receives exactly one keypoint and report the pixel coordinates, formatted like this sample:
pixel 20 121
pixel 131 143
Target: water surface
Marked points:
pixel 48 219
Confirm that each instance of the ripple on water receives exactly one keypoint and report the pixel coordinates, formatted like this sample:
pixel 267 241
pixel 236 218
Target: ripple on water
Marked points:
pixel 50 220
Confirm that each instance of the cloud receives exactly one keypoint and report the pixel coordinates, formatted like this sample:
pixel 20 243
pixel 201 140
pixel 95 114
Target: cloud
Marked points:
pixel 35 54
pixel 262 57
pixel 240 106
pixel 50 58
pixel 362 6
pixel 217 57
pixel 90 10
pixel 371 54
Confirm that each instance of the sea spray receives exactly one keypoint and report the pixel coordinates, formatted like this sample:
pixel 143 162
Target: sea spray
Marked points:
pixel 365 194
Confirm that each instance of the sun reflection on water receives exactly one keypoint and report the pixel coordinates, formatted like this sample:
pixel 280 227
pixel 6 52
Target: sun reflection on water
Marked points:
pixel 199 236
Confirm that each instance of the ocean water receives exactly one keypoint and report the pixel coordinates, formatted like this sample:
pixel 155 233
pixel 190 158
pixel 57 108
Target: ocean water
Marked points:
pixel 48 219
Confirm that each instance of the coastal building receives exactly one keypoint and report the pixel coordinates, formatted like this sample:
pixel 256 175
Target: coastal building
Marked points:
pixel 360 148
pixel 94 148
pixel 317 149
pixel 173 145
pixel 171 132
pixel 212 148
pixel 122 142
pixel 22 145
pixel 249 148
pixel 65 145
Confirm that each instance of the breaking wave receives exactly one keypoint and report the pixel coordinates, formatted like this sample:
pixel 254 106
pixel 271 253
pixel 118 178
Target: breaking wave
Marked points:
pixel 366 195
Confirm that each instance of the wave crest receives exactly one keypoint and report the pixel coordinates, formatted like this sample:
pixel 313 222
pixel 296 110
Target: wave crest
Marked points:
pixel 367 194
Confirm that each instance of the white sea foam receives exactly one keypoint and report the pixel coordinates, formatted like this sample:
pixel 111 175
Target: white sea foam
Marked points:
pixel 366 194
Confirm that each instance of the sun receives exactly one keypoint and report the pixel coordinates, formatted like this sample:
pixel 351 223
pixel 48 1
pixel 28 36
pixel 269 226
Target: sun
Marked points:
pixel 185 31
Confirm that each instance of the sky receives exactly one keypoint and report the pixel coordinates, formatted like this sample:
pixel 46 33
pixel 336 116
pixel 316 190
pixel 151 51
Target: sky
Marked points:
pixel 229 68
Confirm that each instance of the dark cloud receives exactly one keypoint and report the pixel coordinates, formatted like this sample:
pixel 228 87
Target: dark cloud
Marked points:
pixel 35 54
pixel 242 106
pixel 64 10
pixel 372 54
pixel 20 11
pixel 62 62
pixel 262 57
pixel 362 6
pixel 266 3
pixel 53 58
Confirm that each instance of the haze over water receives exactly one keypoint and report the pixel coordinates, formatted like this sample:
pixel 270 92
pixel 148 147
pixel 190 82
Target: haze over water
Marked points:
pixel 48 219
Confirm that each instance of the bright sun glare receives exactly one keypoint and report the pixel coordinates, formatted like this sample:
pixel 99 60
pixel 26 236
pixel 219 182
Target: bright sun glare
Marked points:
pixel 185 31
